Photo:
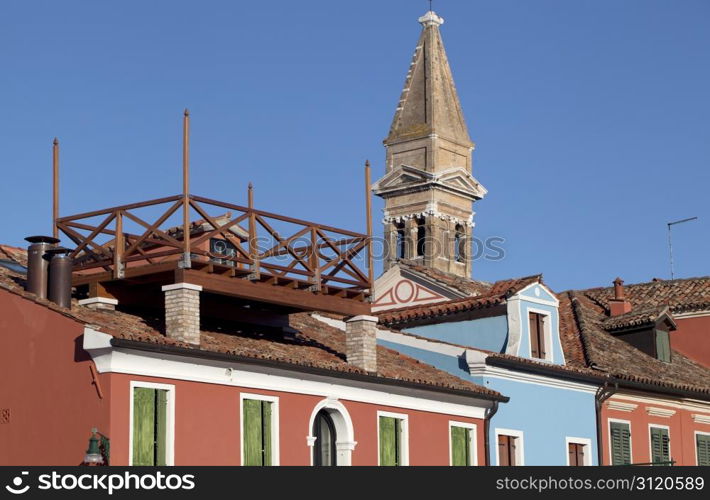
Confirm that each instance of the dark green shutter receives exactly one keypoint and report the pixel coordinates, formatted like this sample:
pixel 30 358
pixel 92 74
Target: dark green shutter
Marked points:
pixel 460 446
pixel 389 441
pixel 660 445
pixel 256 430
pixel 702 442
pixel 663 346
pixel 620 444
pixel 161 423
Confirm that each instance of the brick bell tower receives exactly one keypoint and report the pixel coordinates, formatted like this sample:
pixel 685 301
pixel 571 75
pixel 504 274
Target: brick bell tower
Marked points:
pixel 428 187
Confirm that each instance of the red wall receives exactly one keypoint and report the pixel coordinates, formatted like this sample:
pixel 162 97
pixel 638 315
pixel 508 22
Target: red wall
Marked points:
pixel 682 430
pixel 692 338
pixel 46 385
pixel 207 427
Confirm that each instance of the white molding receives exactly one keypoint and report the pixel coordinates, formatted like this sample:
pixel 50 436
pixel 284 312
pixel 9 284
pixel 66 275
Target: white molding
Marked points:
pixel 275 448
pixel 695 442
pixel 699 418
pixel 515 329
pixel 344 430
pixel 169 417
pixel 404 435
pixel 473 444
pixel 519 444
pixel 161 365
pixel 621 406
pixel 181 286
pixel 483 370
pixel 364 317
pixel 650 442
pixel 631 436
pixel 681 403
pixel 660 412
pixel 586 442
pixel 694 314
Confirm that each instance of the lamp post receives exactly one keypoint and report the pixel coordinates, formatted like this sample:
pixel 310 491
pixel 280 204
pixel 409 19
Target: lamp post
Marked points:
pixel 670 240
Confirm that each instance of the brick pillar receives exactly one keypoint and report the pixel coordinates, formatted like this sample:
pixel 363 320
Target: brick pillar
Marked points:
pixel 361 342
pixel 182 312
pixel 100 303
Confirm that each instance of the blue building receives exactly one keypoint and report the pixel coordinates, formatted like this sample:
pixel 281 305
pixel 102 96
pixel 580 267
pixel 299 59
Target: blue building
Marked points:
pixel 505 336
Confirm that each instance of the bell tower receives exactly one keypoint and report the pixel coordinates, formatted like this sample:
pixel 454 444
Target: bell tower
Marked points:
pixel 428 187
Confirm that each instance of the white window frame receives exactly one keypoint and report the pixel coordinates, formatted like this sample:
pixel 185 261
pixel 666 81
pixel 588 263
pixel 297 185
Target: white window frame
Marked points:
pixel 275 447
pixel 169 416
pixel 473 442
pixel 547 325
pixel 650 443
pixel 404 435
pixel 631 438
pixel 586 442
pixel 695 443
pixel 519 444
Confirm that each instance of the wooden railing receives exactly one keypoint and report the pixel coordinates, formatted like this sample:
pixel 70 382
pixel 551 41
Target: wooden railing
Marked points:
pixel 260 243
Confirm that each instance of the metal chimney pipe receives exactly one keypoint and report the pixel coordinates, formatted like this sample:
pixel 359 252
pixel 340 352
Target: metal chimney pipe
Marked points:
pixel 37 265
pixel 60 269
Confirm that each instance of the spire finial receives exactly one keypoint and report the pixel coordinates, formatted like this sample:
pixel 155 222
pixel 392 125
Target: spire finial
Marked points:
pixel 431 19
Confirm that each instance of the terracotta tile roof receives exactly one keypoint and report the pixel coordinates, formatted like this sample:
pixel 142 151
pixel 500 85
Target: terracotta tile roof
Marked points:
pixel 15 254
pixel 587 343
pixel 636 318
pixel 681 295
pixel 495 294
pixel 313 344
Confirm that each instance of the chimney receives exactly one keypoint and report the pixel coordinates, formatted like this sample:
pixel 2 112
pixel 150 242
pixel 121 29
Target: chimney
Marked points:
pixel 361 342
pixel 182 312
pixel 37 265
pixel 60 269
pixel 619 305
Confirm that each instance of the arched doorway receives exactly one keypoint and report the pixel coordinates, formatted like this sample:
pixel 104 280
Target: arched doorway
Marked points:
pixel 324 448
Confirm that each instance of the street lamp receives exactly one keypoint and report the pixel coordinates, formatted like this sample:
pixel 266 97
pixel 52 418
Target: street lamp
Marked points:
pixel 670 241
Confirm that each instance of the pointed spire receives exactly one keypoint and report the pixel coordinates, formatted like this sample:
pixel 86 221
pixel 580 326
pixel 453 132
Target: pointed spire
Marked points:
pixel 429 103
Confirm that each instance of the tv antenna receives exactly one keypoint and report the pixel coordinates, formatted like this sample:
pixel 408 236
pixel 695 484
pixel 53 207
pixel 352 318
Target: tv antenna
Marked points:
pixel 670 239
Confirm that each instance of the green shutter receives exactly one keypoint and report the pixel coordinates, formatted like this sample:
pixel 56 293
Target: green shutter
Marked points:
pixel 143 426
pixel 620 444
pixel 252 429
pixel 388 441
pixel 660 445
pixel 702 442
pixel 460 446
pixel 266 431
pixel 663 346
pixel 161 413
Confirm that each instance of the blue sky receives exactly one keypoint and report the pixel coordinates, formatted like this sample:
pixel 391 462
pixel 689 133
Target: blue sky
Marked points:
pixel 591 118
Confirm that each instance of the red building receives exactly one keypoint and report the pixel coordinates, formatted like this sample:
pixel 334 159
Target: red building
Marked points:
pixel 650 341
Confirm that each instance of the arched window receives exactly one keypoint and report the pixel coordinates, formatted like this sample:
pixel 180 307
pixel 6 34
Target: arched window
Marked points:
pixel 459 239
pixel 400 249
pixel 421 237
pixel 324 449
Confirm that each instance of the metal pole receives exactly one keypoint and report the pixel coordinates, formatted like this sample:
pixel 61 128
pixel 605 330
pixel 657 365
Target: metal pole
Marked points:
pixel 670 240
pixel 186 263
pixel 368 209
pixel 55 187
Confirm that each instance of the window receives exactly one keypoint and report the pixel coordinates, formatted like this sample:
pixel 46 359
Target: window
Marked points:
pixel 459 253
pixel 259 430
pixel 620 438
pixel 702 448
pixel 393 439
pixel 660 446
pixel 151 418
pixel 421 237
pixel 462 439
pixel 401 241
pixel 537 336
pixel 510 447
pixel 575 454
pixel 663 346
pixel 324 450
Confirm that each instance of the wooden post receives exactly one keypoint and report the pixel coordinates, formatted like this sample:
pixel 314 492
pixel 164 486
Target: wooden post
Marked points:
pixel 314 261
pixel 368 210
pixel 253 250
pixel 118 248
pixel 55 187
pixel 186 262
